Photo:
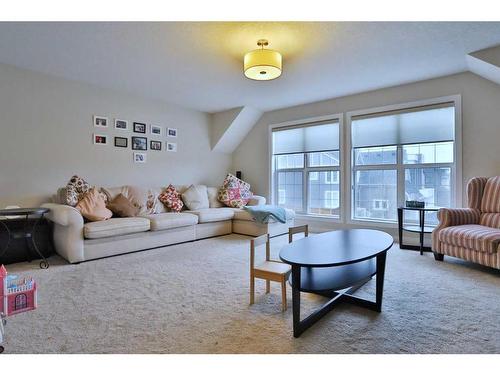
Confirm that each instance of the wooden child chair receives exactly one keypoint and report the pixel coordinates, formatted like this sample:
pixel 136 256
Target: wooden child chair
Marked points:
pixel 269 270
pixel 299 229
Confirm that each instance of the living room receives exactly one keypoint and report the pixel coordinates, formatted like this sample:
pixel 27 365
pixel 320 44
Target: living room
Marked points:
pixel 253 187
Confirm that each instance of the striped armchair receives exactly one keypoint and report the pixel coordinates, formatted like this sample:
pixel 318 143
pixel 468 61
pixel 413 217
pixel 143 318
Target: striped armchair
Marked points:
pixel 472 233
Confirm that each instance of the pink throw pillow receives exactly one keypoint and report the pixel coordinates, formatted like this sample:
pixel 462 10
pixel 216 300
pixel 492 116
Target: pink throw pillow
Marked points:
pixel 171 199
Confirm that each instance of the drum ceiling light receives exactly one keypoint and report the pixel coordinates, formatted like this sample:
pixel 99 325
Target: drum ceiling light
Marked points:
pixel 262 64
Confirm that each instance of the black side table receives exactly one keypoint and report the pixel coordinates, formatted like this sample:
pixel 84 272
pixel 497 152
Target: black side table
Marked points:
pixel 421 228
pixel 27 232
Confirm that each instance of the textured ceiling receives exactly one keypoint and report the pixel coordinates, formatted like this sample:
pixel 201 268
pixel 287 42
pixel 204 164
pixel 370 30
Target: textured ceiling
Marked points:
pixel 199 65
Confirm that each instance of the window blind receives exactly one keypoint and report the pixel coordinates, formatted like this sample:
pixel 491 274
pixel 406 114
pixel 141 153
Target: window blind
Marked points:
pixel 306 138
pixel 415 125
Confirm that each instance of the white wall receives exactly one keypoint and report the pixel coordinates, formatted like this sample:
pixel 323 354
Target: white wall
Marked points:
pixel 480 121
pixel 46 136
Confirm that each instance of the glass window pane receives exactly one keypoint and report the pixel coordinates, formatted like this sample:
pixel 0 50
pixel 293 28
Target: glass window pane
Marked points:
pixel 375 194
pixel 375 155
pixel 289 161
pixel 324 193
pixel 323 159
pixel 290 190
pixel 428 153
pixel 430 185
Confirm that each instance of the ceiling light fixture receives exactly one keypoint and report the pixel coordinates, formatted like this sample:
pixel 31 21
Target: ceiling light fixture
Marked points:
pixel 262 64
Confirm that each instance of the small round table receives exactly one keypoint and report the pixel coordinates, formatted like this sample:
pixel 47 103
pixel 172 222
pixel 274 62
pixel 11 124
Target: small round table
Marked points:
pixel 27 232
pixel 421 228
pixel 334 265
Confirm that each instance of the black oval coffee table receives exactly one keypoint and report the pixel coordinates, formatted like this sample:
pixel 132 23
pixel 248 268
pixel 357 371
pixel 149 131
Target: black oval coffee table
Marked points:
pixel 334 265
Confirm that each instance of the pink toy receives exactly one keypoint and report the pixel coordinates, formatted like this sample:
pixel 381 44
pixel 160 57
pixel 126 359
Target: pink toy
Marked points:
pixel 17 295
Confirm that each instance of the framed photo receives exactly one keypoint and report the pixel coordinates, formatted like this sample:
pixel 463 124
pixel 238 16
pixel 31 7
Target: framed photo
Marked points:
pixel 171 132
pixel 155 145
pixel 139 157
pixel 156 130
pixel 121 142
pixel 100 139
pixel 139 127
pixel 172 147
pixel 139 143
pixel 100 121
pixel 121 124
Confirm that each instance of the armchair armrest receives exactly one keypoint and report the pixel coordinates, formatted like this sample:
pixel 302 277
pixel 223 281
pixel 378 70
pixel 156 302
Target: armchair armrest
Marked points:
pixel 256 200
pixel 449 217
pixel 68 231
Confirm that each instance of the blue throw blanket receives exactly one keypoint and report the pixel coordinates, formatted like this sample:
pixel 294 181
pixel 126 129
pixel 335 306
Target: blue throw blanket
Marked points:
pixel 264 212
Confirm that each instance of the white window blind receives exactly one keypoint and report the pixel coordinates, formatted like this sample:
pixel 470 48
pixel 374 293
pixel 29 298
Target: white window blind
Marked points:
pixel 303 139
pixel 415 125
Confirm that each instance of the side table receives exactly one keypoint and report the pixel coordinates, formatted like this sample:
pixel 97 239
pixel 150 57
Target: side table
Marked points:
pixel 421 228
pixel 28 232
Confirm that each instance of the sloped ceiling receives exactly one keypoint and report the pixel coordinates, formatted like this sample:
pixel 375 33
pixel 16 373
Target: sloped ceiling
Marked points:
pixel 199 64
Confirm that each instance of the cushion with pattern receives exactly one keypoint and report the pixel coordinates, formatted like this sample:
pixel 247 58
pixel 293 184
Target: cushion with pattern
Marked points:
pixel 75 189
pixel 234 192
pixel 171 199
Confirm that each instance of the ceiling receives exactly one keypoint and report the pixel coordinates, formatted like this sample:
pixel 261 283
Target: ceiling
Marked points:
pixel 199 64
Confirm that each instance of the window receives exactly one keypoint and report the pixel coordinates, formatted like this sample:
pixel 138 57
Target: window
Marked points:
pixel 306 168
pixel 402 155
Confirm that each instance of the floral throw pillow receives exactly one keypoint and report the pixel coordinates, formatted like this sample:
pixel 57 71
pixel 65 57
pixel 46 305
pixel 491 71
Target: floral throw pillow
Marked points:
pixel 75 190
pixel 171 199
pixel 234 192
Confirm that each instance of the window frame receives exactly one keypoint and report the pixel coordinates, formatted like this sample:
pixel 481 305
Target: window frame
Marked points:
pixel 273 171
pixel 456 166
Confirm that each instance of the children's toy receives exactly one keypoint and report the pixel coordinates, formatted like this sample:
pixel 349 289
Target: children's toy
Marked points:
pixel 17 295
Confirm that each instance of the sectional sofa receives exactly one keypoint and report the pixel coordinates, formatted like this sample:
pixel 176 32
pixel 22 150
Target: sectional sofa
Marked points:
pixel 78 241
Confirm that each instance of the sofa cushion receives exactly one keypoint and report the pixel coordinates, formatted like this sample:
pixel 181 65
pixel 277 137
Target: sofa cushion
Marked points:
pixel 234 192
pixel 209 215
pixel 471 236
pixel 122 207
pixel 196 197
pixel 242 214
pixel 171 220
pixel 144 198
pixel 171 199
pixel 115 227
pixel 75 189
pixel 213 200
pixel 92 206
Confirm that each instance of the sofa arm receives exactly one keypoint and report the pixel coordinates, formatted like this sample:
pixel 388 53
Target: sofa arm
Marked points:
pixel 449 217
pixel 256 200
pixel 68 231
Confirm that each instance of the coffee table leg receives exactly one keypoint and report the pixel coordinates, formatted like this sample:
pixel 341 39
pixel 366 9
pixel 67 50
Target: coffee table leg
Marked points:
pixel 380 279
pixel 296 300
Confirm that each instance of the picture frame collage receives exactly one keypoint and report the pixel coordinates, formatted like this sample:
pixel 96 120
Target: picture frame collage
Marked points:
pixel 139 141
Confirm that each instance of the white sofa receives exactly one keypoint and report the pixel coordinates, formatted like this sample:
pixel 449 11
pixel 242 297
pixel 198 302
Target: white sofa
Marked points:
pixel 78 241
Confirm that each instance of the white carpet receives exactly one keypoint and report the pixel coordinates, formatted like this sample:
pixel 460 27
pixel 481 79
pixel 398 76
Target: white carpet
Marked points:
pixel 193 298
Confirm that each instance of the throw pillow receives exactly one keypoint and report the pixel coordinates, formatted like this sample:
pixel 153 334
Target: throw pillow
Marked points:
pixel 171 199
pixel 122 207
pixel 93 206
pixel 213 201
pixel 75 189
pixel 143 198
pixel 234 192
pixel 196 197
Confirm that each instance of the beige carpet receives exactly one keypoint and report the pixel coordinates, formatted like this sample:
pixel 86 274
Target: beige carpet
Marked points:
pixel 193 298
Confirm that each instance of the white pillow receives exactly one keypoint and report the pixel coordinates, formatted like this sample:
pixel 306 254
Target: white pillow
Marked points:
pixel 213 201
pixel 196 197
